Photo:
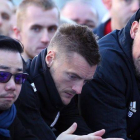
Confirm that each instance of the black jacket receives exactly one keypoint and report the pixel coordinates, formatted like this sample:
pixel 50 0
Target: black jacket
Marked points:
pixel 99 31
pixel 112 100
pixel 18 132
pixel 38 110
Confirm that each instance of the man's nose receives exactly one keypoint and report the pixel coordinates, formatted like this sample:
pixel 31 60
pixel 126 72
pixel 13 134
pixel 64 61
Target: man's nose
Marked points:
pixel 11 85
pixel 78 87
pixel 45 37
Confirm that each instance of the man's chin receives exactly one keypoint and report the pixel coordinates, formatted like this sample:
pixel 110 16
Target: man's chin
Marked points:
pixel 5 107
pixel 66 101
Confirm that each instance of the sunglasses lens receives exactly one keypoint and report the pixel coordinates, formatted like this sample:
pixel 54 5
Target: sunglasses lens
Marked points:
pixel 4 77
pixel 20 78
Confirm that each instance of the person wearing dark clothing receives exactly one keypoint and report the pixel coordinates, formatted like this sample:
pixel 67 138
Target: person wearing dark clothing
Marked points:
pixel 103 29
pixel 120 12
pixel 16 131
pixel 46 104
pixel 11 79
pixel 111 99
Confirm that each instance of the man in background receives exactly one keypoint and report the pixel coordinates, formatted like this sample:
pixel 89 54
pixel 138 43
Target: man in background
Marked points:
pixel 6 12
pixel 37 21
pixel 120 12
pixel 112 97
pixel 82 12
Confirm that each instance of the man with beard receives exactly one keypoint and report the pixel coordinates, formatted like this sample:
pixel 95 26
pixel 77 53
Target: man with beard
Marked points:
pixel 46 104
pixel 112 98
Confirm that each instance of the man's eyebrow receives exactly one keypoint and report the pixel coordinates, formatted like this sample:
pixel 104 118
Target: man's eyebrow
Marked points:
pixel 90 21
pixel 81 77
pixel 8 68
pixel 36 25
pixel 4 67
pixel 76 75
pixel 19 69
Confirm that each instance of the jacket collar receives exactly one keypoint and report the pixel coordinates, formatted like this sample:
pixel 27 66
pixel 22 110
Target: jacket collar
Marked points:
pixel 37 68
pixel 125 39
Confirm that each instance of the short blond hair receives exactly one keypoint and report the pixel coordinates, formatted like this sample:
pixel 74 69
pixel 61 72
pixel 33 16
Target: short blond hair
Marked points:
pixel 21 10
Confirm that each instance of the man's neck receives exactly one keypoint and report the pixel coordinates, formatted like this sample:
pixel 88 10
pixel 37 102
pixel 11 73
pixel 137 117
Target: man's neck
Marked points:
pixel 115 25
pixel 25 57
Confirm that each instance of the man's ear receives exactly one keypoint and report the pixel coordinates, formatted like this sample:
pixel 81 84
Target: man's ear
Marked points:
pixel 17 33
pixel 134 29
pixel 50 58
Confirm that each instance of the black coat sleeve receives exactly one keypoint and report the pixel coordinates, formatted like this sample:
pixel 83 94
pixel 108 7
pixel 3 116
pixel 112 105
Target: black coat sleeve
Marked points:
pixel 18 131
pixel 29 114
pixel 68 116
pixel 103 100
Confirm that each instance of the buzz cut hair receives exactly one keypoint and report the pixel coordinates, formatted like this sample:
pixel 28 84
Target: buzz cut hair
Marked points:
pixel 71 38
pixel 21 10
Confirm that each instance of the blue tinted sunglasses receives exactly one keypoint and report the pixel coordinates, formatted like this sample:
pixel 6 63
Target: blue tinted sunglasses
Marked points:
pixel 19 78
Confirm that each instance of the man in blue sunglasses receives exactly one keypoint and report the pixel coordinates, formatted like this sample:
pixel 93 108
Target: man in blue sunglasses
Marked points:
pixel 11 79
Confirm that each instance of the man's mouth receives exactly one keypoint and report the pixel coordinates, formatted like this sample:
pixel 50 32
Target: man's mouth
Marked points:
pixel 69 95
pixel 8 97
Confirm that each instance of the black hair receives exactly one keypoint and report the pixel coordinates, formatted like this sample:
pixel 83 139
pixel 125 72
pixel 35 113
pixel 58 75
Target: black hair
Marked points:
pixel 11 45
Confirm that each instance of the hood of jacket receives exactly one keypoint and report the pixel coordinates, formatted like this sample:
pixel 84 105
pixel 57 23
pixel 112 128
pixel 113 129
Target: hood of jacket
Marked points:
pixel 40 75
pixel 125 39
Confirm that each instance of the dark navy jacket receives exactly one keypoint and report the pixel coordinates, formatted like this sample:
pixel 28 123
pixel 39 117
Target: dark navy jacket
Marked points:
pixel 112 99
pixel 38 109
pixel 18 132
pixel 99 31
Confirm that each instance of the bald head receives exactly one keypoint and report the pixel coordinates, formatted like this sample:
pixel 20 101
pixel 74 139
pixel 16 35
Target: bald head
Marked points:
pixel 81 12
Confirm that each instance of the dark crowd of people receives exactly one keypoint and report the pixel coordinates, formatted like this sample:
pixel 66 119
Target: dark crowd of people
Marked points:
pixel 65 75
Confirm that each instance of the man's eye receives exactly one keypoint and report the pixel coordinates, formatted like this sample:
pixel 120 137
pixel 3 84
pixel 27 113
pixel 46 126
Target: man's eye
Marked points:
pixel 52 28
pixel 72 77
pixel 91 26
pixel 5 16
pixel 36 29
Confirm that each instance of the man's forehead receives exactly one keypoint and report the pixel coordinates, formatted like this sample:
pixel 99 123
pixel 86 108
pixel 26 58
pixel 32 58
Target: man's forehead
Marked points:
pixel 41 18
pixel 11 59
pixel 13 68
pixel 34 13
pixel 40 9
pixel 79 65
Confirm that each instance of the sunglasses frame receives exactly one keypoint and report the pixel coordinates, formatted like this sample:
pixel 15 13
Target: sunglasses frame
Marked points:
pixel 24 77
